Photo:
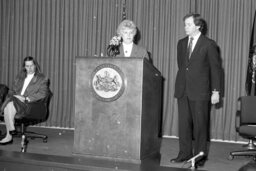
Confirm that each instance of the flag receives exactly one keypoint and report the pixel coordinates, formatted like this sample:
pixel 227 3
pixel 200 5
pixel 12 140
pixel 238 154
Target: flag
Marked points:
pixel 124 9
pixel 251 69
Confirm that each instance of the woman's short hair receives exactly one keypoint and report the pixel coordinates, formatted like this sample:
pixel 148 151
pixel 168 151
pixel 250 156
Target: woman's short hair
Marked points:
pixel 126 24
pixel 199 21
pixel 30 58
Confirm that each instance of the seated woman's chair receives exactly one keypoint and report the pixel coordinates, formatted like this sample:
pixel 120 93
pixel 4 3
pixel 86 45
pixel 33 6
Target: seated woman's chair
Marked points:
pixel 38 112
pixel 246 126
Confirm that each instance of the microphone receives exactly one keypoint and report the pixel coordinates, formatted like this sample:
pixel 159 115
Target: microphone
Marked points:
pixel 193 158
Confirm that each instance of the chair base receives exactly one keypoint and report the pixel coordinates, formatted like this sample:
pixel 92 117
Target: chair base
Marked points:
pixel 250 145
pixel 243 153
pixel 32 135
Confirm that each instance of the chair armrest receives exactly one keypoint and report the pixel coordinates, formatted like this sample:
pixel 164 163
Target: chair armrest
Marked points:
pixel 238 120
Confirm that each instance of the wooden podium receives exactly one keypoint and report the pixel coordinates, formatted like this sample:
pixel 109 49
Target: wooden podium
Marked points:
pixel 117 108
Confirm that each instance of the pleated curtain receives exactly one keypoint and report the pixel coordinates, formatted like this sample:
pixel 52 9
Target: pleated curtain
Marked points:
pixel 56 31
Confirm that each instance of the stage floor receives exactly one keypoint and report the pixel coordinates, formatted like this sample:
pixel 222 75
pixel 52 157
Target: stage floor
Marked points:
pixel 60 143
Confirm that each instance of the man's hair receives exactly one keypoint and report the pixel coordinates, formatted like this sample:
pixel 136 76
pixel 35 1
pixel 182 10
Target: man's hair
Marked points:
pixel 199 21
pixel 30 58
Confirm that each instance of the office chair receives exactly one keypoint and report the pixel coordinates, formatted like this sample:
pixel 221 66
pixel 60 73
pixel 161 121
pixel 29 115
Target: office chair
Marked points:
pixel 37 113
pixel 3 92
pixel 246 126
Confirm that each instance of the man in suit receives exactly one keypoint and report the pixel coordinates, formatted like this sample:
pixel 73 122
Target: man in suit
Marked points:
pixel 30 85
pixel 197 83
pixel 126 32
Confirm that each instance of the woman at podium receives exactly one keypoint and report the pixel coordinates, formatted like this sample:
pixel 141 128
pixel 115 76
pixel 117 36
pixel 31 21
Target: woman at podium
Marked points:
pixel 123 44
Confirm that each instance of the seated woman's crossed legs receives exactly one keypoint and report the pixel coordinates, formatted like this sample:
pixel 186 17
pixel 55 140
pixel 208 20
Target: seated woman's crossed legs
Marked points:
pixel 9 114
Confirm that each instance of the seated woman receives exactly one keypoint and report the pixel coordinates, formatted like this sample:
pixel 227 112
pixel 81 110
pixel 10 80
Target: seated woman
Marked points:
pixel 126 32
pixel 30 85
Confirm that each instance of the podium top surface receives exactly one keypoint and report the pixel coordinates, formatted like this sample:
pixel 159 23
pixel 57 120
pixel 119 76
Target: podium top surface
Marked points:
pixel 105 58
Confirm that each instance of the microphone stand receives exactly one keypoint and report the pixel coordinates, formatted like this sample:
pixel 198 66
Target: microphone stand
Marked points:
pixel 193 160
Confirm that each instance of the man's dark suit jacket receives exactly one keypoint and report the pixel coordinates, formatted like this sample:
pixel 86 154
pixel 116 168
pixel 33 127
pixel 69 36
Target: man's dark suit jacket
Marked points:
pixel 199 75
pixel 137 51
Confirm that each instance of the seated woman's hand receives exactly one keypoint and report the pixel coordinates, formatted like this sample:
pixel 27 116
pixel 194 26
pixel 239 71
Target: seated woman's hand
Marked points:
pixel 21 98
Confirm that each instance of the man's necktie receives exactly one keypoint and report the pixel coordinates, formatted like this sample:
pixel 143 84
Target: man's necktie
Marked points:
pixel 190 44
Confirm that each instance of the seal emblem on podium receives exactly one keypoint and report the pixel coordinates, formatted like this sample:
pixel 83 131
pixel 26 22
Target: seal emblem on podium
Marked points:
pixel 107 82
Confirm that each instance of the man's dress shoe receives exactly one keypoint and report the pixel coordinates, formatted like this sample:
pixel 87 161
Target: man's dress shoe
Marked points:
pixel 7 142
pixel 13 132
pixel 201 162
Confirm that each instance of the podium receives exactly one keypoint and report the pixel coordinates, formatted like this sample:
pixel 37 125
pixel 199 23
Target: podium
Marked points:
pixel 117 108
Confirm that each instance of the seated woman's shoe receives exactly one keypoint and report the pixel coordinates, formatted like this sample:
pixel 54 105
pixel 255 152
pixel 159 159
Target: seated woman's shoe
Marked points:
pixel 5 142
pixel 13 132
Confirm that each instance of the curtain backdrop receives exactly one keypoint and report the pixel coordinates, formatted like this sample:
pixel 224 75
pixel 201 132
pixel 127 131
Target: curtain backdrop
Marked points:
pixel 55 31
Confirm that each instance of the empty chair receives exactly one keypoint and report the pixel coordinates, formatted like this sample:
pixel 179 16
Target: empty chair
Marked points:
pixel 246 126
pixel 3 93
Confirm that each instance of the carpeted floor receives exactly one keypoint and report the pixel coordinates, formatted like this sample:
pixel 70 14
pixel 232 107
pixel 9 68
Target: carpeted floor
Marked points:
pixel 60 142
pixel 217 159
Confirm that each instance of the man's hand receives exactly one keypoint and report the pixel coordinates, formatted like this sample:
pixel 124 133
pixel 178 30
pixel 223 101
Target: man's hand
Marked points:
pixel 215 97
pixel 21 98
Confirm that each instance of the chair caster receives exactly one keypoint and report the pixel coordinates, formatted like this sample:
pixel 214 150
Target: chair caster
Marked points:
pixel 230 157
pixel 45 140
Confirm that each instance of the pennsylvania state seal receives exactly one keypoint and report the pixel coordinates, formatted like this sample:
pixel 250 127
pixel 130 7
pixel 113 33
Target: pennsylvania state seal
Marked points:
pixel 107 82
